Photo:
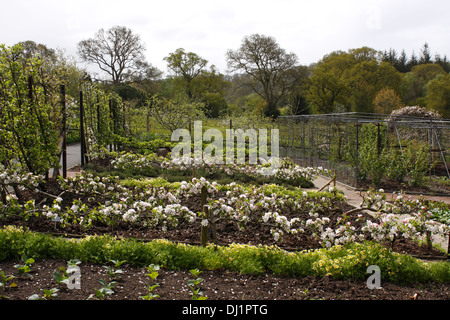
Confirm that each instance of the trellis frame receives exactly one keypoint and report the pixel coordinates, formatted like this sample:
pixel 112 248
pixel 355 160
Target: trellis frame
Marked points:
pixel 319 140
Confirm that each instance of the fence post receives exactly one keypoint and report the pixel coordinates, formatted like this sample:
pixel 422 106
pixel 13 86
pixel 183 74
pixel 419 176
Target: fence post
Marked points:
pixel 64 131
pixel 357 154
pixel 83 146
pixel 448 247
pixel 98 116
pixel 204 229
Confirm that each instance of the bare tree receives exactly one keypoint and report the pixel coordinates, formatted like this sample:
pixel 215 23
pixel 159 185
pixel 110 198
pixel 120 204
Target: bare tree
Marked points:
pixel 266 63
pixel 118 52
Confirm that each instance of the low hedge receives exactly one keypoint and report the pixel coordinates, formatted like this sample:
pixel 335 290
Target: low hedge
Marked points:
pixel 340 262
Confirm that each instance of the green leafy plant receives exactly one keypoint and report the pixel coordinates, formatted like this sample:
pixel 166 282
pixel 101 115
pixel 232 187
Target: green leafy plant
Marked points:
pixel 60 276
pixel 4 279
pixel 113 271
pixel 105 290
pixel 26 268
pixel 153 268
pixel 194 285
pixel 48 294
pixel 417 158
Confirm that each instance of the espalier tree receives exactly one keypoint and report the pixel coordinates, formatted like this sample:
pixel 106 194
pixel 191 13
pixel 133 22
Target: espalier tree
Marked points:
pixel 32 108
pixel 28 120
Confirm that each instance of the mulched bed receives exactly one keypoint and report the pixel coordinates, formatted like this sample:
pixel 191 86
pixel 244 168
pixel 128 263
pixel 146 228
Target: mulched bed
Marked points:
pixel 227 232
pixel 217 285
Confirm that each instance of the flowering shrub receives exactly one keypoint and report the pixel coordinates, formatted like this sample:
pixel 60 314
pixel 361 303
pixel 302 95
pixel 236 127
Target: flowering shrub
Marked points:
pixel 15 176
pixel 160 206
pixel 287 172
pixel 414 111
pixel 135 161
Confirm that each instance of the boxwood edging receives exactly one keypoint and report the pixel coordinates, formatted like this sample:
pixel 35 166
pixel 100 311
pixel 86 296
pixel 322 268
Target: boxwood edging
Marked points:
pixel 340 262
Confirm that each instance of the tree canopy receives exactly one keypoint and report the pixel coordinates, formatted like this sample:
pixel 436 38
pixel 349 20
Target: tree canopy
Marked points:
pixel 267 64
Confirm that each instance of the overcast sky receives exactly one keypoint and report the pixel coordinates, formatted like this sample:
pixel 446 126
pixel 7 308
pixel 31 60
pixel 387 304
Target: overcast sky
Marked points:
pixel 310 29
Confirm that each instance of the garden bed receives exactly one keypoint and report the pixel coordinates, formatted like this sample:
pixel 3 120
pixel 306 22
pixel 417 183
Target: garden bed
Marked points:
pixel 227 232
pixel 263 216
pixel 216 285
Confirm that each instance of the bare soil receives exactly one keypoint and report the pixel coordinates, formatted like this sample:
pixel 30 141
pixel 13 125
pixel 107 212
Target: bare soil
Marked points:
pixel 219 284
pixel 216 285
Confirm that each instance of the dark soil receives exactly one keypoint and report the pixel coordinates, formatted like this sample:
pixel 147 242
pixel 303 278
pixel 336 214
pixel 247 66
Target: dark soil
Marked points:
pixel 216 285
pixel 227 232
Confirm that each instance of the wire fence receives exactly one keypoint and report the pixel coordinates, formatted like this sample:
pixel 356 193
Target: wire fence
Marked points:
pixel 334 141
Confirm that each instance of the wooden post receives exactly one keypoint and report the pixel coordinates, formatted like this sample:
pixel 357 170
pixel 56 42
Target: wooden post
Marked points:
pixel 110 114
pixel 83 146
pixel 378 139
pixel 98 115
pixel 429 243
pixel 204 229
pixel 448 247
pixel 64 131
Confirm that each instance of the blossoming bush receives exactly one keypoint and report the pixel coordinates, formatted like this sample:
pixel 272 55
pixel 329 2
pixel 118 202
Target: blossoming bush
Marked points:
pixel 288 172
pixel 16 178
pixel 159 206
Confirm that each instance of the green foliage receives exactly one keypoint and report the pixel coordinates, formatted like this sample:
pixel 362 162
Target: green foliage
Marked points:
pixel 194 285
pixel 113 271
pixel 417 162
pixel 25 268
pixel 153 269
pixel 371 158
pixel 174 114
pixel 438 94
pixel 377 161
pixel 351 79
pixel 105 290
pixel 48 294
pixel 4 279
pixel 30 121
pixel 349 261
pixel 441 214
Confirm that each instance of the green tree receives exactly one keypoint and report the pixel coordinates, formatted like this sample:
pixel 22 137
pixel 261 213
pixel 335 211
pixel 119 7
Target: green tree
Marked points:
pixel 438 95
pixel 266 64
pixel 415 82
pixel 327 85
pixel 350 79
pixel 187 66
pixel 174 114
pixel 386 101
pixel 425 56
pixel 28 132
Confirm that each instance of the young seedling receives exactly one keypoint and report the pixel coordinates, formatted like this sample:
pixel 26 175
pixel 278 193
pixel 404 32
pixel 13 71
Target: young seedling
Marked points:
pixel 194 285
pixel 26 268
pixel 104 291
pixel 61 275
pixel 48 294
pixel 150 287
pixel 113 271
pixel 4 279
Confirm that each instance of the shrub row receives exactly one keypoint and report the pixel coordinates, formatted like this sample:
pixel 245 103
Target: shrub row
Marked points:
pixel 340 262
